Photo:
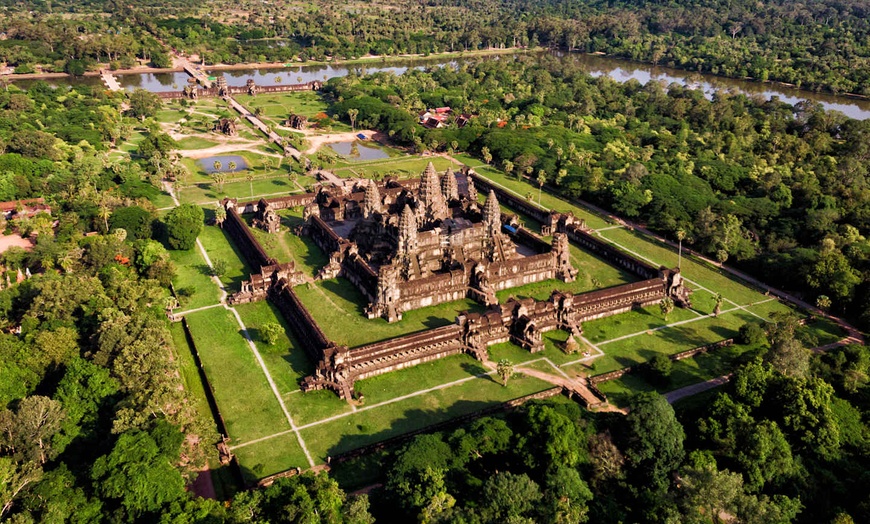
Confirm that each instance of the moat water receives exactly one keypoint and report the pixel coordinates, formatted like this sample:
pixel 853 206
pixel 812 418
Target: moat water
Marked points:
pixel 619 70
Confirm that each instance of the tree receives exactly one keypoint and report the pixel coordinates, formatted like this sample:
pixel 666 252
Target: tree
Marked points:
pixel 660 368
pixel 183 225
pixel 750 333
pixel 486 154
pixel 666 306
pixel 352 114
pixel 507 497
pixel 681 234
pixel 542 179
pixel 144 104
pixel 655 444
pixel 250 179
pixel 217 165
pixel 231 166
pixel 270 332
pixel 718 307
pixel 218 267
pixel 219 178
pixel 823 302
pixel 136 220
pixel 220 214
pixel 706 492
pixel 28 431
pixel 505 370
pixel 139 470
pixel 508 166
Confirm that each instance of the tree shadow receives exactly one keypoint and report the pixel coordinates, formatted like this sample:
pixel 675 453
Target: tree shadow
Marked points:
pixel 412 423
pixel 344 289
pixel 279 182
pixel 476 368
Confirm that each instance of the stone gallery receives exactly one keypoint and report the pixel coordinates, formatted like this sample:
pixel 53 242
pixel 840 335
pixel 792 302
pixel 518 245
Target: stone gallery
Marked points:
pixel 412 244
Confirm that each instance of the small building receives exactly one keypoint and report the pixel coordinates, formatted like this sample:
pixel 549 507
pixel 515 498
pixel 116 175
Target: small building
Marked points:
pixel 23 208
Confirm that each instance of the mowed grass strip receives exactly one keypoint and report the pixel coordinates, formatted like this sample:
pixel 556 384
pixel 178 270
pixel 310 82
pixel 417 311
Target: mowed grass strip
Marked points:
pixel 192 274
pixel 271 456
pixel 219 247
pixel 285 360
pixel 641 348
pixel 243 395
pixel 713 279
pixel 190 375
pixel 338 308
pixel 381 422
pixel 634 321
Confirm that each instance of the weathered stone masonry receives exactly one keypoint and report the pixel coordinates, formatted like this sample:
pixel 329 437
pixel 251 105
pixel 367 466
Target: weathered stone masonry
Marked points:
pixel 523 322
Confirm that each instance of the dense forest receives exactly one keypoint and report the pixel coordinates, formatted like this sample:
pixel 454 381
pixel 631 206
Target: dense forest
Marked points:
pixel 821 45
pixel 95 424
pixel 778 190
pixel 774 447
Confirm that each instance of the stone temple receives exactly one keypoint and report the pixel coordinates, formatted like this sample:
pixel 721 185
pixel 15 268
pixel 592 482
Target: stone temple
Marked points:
pixel 415 243
pixel 415 247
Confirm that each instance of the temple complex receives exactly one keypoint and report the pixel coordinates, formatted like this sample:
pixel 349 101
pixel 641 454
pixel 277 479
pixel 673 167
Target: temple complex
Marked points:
pixel 411 244
pixel 428 244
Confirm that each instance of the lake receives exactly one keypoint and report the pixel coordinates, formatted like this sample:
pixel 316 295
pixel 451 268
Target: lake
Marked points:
pixel 356 150
pixel 207 164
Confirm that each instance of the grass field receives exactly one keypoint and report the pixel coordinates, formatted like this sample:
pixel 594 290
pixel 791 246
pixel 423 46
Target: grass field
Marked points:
pixel 278 106
pixel 246 401
pixel 337 306
pixel 406 167
pixel 404 400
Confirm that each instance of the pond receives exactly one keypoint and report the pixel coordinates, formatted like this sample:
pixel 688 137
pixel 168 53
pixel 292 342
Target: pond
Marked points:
pixel 207 164
pixel 356 150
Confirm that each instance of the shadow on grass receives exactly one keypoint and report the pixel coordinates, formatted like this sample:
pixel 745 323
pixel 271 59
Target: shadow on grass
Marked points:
pixel 475 368
pixel 345 290
pixel 413 422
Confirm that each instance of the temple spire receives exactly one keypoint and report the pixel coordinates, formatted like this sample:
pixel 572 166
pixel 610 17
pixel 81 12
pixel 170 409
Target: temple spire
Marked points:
pixel 407 231
pixel 492 214
pixel 434 206
pixel 472 190
pixel 449 187
pixel 372 201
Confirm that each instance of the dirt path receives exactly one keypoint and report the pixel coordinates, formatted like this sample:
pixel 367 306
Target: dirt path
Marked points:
pixel 234 147
pixel 694 389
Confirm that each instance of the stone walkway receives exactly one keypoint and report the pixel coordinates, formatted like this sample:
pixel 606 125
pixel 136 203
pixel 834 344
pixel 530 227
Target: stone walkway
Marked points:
pixel 256 122
pixel 110 81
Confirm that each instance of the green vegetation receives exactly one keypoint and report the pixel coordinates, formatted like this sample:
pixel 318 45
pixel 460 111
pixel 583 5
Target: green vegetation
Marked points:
pixel 337 306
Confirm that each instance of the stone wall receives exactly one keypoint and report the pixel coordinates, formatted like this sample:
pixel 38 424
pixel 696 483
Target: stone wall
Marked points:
pixel 238 230
pixel 213 92
pixel 610 253
pixel 306 330
pixel 618 299
pixel 410 350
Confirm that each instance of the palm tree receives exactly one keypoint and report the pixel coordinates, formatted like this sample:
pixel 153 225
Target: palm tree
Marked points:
pixel 542 179
pixel 681 234
pixel 217 165
pixel 220 214
pixel 352 114
pixel 231 166
pixel 105 213
pixel 250 179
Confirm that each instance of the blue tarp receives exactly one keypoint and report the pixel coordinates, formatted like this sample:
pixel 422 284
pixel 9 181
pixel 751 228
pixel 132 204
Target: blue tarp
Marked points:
pixel 509 229
pixel 361 136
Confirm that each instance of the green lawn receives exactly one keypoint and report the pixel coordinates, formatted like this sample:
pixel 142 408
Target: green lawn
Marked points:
pixel 338 306
pixel 218 246
pixel 244 397
pixel 286 245
pixel 405 167
pixel 194 142
pixel 190 375
pixel 271 456
pixel 384 421
pixel 192 273
pixel 278 106
pixel 634 321
pixel 285 360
